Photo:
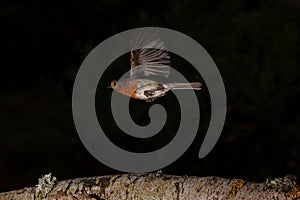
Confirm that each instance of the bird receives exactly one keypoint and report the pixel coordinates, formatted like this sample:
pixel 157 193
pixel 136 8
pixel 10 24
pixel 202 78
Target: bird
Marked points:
pixel 151 61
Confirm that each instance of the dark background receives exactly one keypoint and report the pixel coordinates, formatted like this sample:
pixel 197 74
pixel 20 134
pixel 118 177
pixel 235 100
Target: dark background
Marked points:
pixel 255 44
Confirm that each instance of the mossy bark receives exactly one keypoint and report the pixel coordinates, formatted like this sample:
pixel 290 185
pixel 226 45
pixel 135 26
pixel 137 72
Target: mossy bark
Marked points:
pixel 160 186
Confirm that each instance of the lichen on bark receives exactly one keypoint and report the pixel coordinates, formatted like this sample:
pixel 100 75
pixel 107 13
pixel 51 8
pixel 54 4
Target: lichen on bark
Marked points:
pixel 161 186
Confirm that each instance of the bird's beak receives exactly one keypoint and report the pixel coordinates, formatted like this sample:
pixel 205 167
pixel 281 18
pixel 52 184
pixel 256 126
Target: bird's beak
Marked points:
pixel 109 86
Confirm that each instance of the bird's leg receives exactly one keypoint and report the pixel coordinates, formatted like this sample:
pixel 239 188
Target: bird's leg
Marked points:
pixel 153 93
pixel 150 99
pixel 148 93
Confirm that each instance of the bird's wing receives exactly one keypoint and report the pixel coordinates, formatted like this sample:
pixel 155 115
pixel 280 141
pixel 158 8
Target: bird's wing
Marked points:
pixel 150 60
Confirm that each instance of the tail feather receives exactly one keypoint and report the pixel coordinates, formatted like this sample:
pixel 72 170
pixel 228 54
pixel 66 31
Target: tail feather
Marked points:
pixel 185 86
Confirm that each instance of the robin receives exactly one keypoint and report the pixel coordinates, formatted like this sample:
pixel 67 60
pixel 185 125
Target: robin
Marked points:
pixel 147 62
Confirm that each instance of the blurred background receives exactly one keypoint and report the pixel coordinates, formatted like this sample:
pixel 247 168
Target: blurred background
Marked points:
pixel 255 44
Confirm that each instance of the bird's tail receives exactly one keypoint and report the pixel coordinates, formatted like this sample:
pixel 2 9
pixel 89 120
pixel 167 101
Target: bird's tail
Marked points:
pixel 185 86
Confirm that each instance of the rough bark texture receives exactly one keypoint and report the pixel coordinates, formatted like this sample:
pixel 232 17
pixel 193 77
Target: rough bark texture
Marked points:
pixel 157 186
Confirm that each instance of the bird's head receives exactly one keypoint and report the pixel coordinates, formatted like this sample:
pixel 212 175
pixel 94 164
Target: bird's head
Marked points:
pixel 112 84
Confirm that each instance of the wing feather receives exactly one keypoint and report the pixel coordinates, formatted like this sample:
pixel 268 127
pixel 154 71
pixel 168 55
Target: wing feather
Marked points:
pixel 150 60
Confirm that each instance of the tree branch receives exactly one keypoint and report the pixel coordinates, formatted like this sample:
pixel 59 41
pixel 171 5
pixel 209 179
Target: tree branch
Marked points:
pixel 157 186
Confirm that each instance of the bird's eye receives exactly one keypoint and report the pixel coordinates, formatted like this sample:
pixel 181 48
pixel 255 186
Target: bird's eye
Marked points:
pixel 112 84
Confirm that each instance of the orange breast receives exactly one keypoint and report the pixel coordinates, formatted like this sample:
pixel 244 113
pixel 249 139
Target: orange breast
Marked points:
pixel 134 95
pixel 129 91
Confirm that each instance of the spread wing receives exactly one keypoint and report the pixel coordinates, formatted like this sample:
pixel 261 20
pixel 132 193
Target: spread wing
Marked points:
pixel 150 60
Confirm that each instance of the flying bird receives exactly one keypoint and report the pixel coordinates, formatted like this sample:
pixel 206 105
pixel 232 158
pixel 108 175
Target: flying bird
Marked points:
pixel 150 61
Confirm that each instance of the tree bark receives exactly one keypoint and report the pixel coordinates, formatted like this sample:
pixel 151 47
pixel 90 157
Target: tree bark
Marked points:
pixel 157 186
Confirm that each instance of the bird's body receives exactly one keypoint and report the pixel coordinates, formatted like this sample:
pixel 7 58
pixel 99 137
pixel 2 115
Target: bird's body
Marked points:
pixel 152 60
pixel 145 89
